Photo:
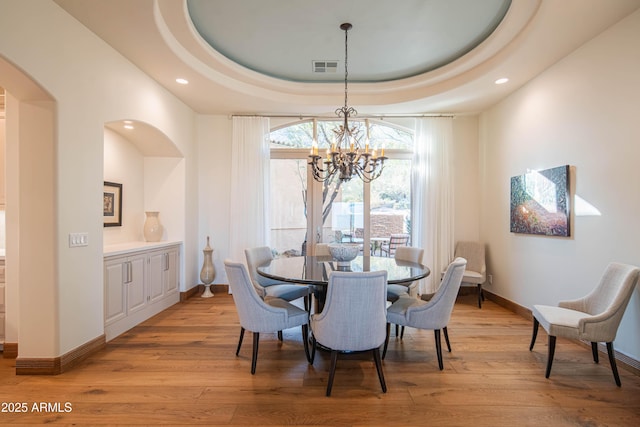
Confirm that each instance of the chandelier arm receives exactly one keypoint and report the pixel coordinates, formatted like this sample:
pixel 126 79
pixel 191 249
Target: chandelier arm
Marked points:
pixel 346 157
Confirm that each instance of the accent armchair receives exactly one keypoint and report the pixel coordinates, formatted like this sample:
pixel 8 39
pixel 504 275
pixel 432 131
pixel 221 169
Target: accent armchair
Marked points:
pixel 594 318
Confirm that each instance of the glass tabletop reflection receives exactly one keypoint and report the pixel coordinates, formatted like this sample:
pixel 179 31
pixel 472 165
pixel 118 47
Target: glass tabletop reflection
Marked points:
pixel 315 270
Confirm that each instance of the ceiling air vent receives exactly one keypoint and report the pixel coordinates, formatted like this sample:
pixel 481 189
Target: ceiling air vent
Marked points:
pixel 325 66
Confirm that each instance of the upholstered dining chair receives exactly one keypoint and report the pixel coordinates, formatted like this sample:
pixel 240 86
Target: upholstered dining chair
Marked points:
pixel 594 318
pixel 476 271
pixel 353 318
pixel 433 314
pixel 260 316
pixel 268 288
pixel 408 254
pixel 395 241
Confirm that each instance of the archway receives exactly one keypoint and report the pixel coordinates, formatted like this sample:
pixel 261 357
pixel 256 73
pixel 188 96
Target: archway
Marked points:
pixel 31 281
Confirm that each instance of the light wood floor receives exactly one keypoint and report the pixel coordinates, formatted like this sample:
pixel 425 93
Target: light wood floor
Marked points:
pixel 180 368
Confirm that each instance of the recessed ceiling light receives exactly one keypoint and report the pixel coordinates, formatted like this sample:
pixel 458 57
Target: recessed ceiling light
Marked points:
pixel 128 126
pixel 501 81
pixel 182 81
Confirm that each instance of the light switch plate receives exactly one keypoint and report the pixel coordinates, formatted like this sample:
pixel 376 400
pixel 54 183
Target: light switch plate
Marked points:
pixel 78 239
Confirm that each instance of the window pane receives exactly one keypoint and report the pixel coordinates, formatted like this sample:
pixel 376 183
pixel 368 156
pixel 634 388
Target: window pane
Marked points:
pixel 391 200
pixel 299 135
pixel 343 211
pixel 288 212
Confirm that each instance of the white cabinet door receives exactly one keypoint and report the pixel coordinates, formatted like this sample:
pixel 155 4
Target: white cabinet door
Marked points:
pixel 157 265
pixel 136 295
pixel 115 276
pixel 172 272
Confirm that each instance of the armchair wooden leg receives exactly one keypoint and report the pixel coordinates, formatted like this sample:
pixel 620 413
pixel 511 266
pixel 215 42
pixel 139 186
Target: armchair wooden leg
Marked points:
pixel 446 338
pixel 535 333
pixel 397 330
pixel 386 340
pixel 552 350
pixel 612 362
pixel 594 351
pixel 254 357
pixel 332 371
pixel 439 349
pixel 240 340
pixel 280 336
pixel 305 342
pixel 401 332
pixel 480 295
pixel 376 358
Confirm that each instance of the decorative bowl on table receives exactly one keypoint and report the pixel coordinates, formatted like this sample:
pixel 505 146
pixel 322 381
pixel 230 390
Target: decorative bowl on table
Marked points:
pixel 344 253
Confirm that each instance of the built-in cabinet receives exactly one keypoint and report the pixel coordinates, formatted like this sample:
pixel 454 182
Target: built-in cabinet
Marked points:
pixel 139 282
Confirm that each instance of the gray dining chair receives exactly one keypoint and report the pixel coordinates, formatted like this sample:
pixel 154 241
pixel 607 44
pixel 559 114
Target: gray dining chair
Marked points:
pixel 269 288
pixel 594 318
pixel 433 314
pixel 262 316
pixel 353 318
pixel 407 254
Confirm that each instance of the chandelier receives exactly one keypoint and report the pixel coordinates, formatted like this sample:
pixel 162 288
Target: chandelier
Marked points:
pixel 346 156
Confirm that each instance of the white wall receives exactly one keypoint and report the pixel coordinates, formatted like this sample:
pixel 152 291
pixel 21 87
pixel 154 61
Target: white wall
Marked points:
pixel 124 164
pixel 91 85
pixel 214 166
pixel 583 112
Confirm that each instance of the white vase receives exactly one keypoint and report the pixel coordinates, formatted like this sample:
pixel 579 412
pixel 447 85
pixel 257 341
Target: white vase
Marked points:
pixel 152 227
pixel 208 272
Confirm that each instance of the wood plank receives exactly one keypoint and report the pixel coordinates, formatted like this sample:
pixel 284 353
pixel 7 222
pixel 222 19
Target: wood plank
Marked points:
pixel 179 367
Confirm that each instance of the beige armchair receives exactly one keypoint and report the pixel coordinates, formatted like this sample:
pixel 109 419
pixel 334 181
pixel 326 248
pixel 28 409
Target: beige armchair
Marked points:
pixel 476 272
pixel 594 318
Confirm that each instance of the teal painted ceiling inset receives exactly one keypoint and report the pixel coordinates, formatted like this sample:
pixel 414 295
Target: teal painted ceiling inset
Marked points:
pixel 389 40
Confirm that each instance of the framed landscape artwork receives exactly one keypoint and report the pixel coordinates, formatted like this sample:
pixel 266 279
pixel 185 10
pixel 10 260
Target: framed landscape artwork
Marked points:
pixel 112 204
pixel 540 202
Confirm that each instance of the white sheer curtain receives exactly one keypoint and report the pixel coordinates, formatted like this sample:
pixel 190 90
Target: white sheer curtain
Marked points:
pixel 249 185
pixel 432 205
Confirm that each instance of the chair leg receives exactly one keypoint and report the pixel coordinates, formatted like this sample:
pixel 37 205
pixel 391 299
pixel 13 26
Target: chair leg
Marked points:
pixel 535 333
pixel 612 362
pixel 313 349
pixel 439 349
pixel 254 357
pixel 480 295
pixel 397 330
pixel 332 371
pixel 280 336
pixel 376 358
pixel 240 340
pixel 552 350
pixel 386 340
pixel 446 338
pixel 594 351
pixel 305 342
pixel 401 332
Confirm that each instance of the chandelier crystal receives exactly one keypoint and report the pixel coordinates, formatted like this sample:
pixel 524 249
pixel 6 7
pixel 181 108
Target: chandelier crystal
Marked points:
pixel 346 156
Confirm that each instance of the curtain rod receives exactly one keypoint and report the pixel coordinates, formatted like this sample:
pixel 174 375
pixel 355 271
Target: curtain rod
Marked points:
pixel 371 116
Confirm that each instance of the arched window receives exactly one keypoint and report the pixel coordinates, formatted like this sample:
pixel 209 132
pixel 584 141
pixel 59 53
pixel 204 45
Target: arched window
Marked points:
pixel 304 211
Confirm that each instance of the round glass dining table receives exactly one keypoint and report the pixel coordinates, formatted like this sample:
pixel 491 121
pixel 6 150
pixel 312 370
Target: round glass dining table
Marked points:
pixel 315 270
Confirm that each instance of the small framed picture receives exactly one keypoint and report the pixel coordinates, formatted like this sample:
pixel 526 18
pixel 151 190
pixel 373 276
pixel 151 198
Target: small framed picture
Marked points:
pixel 112 204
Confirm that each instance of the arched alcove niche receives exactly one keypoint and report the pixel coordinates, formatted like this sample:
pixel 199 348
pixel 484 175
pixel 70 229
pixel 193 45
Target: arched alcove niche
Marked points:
pixel 31 294
pixel 151 170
